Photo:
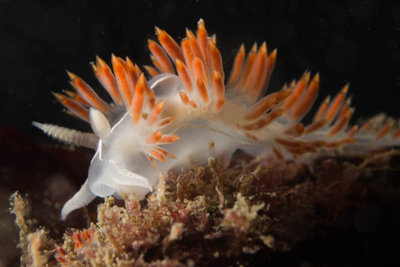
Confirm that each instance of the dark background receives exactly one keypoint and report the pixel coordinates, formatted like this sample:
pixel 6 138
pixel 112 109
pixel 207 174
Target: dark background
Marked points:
pixel 346 41
pixel 350 41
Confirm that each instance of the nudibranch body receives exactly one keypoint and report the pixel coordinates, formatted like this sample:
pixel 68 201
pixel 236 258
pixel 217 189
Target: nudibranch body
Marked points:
pixel 187 112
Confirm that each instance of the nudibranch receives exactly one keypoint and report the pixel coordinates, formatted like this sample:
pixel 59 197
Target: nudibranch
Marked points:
pixel 186 112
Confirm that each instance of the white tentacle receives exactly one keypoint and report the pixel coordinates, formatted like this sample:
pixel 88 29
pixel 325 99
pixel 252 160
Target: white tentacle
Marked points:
pixel 68 136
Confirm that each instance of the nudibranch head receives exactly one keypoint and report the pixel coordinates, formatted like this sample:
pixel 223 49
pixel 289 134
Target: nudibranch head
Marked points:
pixel 129 133
pixel 187 112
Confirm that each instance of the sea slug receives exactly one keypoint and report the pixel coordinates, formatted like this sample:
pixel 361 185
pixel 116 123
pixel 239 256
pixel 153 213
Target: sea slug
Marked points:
pixel 187 112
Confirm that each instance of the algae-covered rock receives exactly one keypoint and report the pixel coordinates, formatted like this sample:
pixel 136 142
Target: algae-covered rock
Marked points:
pixel 244 214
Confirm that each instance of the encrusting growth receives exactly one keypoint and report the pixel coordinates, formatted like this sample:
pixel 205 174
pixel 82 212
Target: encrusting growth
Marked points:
pixel 211 215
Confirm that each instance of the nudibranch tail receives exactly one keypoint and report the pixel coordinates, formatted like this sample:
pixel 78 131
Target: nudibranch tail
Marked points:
pixel 187 112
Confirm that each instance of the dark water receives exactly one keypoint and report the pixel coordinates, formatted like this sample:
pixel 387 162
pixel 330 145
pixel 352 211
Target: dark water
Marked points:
pixel 351 41
pixel 346 41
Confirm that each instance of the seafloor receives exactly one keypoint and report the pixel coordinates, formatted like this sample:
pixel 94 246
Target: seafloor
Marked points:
pixel 337 211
